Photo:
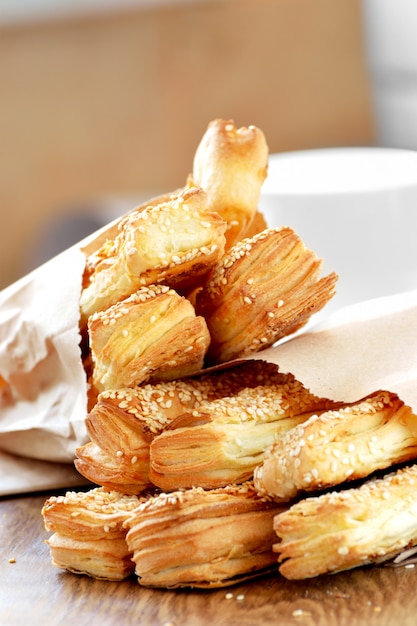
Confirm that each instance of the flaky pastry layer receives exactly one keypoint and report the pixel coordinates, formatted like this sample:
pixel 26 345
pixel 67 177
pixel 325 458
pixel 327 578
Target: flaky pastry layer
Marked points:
pixel 152 334
pixel 89 534
pixel 151 407
pixel 340 445
pixel 342 530
pixel 263 289
pixel 127 474
pixel 222 441
pixel 123 422
pixel 175 242
pixel 200 538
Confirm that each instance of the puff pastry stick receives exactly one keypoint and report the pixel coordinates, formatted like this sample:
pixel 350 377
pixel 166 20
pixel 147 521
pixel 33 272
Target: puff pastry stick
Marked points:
pixel 123 422
pixel 127 419
pixel 175 243
pixel 200 538
pixel 342 530
pixel 338 446
pixel 88 533
pixel 263 289
pixel 231 164
pixel 152 335
pixel 223 441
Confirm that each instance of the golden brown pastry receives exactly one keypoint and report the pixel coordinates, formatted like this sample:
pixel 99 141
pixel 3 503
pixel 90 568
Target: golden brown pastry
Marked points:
pixel 89 536
pixel 123 422
pixel 103 247
pixel 175 242
pixel 200 538
pixel 231 164
pixel 222 441
pixel 152 335
pixel 124 419
pixel 128 474
pixel 263 289
pixel 339 446
pixel 341 530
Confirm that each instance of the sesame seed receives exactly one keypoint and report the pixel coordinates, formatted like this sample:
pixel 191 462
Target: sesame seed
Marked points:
pixel 300 613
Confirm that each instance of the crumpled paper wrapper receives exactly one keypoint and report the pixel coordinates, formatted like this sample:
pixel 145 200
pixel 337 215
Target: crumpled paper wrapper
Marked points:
pixel 44 402
pixel 43 387
pixel 43 397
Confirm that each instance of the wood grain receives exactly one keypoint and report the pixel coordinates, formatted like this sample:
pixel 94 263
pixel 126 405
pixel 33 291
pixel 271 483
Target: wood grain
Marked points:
pixel 33 592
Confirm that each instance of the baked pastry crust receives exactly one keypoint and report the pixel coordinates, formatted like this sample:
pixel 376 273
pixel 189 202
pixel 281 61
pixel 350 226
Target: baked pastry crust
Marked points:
pixel 123 422
pixel 231 164
pixel 152 335
pixel 222 441
pixel 128 474
pixel 200 538
pixel 338 446
pixel 175 242
pixel 342 530
pixel 126 419
pixel 103 247
pixel 88 532
pixel 265 288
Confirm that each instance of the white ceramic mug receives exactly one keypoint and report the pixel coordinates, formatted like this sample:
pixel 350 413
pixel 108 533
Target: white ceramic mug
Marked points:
pixel 357 209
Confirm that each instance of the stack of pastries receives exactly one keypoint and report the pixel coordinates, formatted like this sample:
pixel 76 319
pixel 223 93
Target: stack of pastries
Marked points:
pixel 208 464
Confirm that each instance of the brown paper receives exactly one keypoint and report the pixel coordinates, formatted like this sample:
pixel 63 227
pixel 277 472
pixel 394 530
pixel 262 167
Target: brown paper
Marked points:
pixel 20 475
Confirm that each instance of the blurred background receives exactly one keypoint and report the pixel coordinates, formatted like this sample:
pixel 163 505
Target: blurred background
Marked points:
pixel 103 103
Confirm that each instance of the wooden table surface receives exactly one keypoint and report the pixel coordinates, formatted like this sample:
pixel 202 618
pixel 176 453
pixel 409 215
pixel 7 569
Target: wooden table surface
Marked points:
pixel 33 592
